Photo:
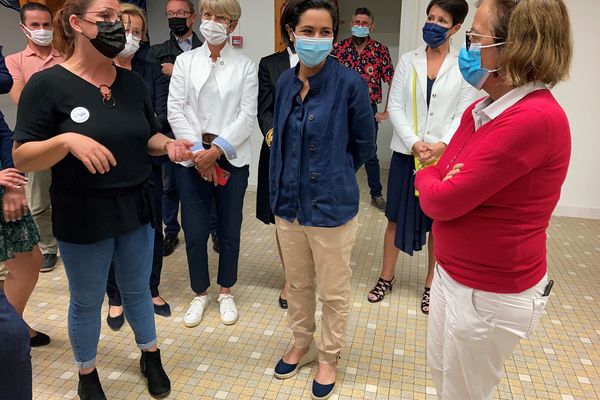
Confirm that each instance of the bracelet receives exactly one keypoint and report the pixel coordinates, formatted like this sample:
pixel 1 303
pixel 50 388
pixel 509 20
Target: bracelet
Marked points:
pixel 165 145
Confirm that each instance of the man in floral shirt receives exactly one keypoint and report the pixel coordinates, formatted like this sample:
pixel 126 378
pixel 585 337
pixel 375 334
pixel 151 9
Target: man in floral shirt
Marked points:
pixel 372 61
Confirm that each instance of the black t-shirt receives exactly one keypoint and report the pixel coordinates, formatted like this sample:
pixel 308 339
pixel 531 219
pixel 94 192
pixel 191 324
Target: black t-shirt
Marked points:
pixel 89 207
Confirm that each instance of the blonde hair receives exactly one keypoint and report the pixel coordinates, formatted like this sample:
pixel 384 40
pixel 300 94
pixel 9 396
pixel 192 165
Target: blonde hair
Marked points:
pixel 230 9
pixel 539 45
pixel 131 9
pixel 64 35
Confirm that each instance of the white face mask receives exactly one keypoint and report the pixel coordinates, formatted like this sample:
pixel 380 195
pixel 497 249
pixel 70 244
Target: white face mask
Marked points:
pixel 214 32
pixel 132 45
pixel 41 37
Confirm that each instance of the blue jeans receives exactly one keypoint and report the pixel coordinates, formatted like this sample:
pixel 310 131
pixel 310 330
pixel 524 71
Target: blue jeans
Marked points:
pixel 372 165
pixel 170 200
pixel 197 199
pixel 15 358
pixel 87 268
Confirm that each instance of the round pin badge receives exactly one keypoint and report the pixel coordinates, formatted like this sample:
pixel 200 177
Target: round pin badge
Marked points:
pixel 80 115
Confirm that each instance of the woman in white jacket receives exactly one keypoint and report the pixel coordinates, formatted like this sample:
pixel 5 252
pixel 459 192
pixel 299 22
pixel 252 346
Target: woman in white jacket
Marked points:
pixel 212 103
pixel 426 102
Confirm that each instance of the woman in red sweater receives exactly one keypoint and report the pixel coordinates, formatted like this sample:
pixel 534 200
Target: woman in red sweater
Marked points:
pixel 492 193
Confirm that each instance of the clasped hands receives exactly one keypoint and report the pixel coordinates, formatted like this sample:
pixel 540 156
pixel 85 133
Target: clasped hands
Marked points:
pixel 205 162
pixel 428 153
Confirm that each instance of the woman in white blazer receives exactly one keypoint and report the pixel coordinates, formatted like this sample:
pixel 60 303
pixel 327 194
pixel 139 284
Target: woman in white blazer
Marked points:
pixel 212 103
pixel 426 102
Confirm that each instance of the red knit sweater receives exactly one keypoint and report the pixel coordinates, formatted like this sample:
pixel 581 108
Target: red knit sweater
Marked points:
pixel 490 219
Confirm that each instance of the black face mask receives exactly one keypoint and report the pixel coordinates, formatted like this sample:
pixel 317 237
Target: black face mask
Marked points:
pixel 111 39
pixel 178 26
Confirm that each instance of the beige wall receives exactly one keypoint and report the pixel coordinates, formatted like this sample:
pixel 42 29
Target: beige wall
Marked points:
pixel 580 98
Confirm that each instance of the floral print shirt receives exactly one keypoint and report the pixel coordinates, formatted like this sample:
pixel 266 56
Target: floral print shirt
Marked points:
pixel 374 63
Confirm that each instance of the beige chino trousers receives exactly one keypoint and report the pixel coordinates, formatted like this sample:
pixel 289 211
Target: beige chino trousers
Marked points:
pixel 38 198
pixel 317 263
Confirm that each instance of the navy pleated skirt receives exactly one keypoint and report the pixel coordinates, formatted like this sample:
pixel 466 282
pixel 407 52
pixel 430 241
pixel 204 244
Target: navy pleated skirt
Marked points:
pixel 403 206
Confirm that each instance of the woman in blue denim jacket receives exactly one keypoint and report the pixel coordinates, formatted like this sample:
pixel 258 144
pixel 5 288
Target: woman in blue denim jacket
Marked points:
pixel 323 132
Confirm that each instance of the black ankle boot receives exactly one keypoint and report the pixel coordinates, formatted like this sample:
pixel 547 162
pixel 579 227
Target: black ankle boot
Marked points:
pixel 159 385
pixel 89 387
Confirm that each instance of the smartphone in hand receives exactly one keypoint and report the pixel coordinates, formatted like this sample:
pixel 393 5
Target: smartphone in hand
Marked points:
pixel 222 175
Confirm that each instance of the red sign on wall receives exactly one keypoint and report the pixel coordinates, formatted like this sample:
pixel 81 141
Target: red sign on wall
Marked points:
pixel 237 41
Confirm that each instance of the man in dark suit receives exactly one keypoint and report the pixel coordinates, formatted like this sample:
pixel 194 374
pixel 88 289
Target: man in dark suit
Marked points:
pixel 181 17
pixel 270 69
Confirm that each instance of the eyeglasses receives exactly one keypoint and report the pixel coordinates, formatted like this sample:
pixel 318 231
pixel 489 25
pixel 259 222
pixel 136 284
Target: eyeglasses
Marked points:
pixel 217 18
pixel 179 14
pixel 469 34
pixel 109 15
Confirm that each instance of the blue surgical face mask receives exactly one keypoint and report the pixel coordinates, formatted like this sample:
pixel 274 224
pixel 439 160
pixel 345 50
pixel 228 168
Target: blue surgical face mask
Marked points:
pixel 360 31
pixel 312 51
pixel 469 63
pixel 434 35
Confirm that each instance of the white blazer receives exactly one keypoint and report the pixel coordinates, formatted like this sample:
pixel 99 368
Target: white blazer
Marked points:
pixel 450 96
pixel 237 78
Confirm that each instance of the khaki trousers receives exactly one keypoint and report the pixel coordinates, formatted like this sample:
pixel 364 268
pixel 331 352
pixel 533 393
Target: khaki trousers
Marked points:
pixel 38 198
pixel 317 263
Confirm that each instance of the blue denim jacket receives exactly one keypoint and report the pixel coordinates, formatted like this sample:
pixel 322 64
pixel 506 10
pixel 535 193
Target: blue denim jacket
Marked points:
pixel 319 144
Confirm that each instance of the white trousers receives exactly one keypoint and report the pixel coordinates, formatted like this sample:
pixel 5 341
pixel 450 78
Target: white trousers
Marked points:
pixel 472 332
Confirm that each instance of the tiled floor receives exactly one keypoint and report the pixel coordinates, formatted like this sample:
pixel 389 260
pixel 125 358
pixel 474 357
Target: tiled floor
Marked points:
pixel 385 356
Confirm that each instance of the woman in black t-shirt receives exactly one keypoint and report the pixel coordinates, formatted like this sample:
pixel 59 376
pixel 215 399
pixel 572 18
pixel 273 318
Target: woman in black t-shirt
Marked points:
pixel 93 123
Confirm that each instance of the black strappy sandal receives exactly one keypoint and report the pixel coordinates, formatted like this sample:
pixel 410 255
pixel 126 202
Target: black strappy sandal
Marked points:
pixel 380 288
pixel 425 301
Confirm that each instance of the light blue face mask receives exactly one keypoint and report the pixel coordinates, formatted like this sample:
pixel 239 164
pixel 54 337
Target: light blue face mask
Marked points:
pixel 360 31
pixel 469 63
pixel 312 51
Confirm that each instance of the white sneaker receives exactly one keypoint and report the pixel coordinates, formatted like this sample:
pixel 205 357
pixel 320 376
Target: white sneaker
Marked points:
pixel 229 312
pixel 194 313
